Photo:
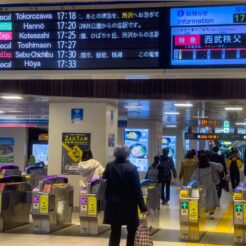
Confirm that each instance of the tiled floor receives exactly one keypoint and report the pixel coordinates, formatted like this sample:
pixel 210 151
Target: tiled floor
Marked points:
pixel 168 235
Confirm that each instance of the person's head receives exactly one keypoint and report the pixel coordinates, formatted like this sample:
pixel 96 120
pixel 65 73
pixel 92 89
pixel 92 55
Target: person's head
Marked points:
pixel 156 159
pixel 189 155
pixel 215 149
pixel 121 153
pixel 165 151
pixel 193 151
pixel 87 155
pixel 203 161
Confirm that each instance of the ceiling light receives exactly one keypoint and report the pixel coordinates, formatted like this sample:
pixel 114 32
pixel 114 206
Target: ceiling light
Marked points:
pixel 12 97
pixel 171 126
pixel 240 123
pixel 133 106
pixel 199 117
pixel 234 109
pixel 2 112
pixel 183 104
pixel 15 111
pixel 171 113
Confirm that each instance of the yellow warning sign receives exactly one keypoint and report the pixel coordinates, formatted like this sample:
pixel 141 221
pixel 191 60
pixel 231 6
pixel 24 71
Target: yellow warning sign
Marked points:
pixel 183 193
pixel 193 210
pixel 92 206
pixel 237 196
pixel 44 204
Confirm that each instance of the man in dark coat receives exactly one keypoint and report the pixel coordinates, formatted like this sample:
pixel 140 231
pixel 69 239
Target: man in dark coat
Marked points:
pixel 215 157
pixel 123 197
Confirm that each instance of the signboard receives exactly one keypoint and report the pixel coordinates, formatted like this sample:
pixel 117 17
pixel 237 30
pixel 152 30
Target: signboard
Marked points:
pixel 208 123
pixel 77 115
pixel 212 136
pixel 208 36
pixel 7 150
pixel 44 204
pixel 75 39
pixel 138 142
pixel 73 145
pixel 237 195
pixel 193 210
pixel 92 206
pixel 183 193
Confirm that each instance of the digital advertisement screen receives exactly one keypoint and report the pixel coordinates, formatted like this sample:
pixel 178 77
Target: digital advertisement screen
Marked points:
pixel 40 152
pixel 80 39
pixel 208 36
pixel 170 143
pixel 137 140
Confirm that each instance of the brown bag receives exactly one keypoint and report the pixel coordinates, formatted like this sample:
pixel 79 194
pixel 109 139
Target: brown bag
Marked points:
pixel 142 237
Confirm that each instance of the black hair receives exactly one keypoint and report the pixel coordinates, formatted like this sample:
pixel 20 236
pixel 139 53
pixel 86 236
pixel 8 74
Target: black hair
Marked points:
pixel 189 155
pixel 165 151
pixel 87 155
pixel 203 161
pixel 215 149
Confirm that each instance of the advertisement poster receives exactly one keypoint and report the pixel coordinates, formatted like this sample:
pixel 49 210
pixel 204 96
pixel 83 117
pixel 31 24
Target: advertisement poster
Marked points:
pixel 170 143
pixel 137 141
pixel 73 145
pixel 77 115
pixel 7 150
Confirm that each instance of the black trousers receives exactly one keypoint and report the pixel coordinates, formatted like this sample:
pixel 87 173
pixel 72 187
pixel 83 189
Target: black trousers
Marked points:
pixel 219 189
pixel 115 235
pixel 165 195
pixel 235 179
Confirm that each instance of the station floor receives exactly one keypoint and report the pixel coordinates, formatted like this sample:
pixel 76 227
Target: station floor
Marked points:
pixel 218 231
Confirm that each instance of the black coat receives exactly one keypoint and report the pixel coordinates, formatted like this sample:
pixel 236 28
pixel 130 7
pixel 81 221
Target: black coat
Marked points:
pixel 123 194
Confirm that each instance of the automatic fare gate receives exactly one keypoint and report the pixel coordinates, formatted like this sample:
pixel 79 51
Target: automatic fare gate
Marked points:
pixel 191 212
pixel 239 198
pixel 52 204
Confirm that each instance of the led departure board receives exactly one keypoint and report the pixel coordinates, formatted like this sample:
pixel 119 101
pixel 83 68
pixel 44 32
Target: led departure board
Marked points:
pixel 79 39
pixel 208 36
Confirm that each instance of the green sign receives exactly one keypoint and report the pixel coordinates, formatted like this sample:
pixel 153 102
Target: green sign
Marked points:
pixel 226 124
pixel 5 26
pixel 239 208
pixel 184 205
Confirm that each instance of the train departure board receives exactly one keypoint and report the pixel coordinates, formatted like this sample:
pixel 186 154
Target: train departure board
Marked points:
pixel 208 36
pixel 80 39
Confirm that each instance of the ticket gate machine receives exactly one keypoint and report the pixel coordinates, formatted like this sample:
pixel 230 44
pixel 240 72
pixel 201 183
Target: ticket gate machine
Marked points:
pixel 191 211
pixel 52 204
pixel 15 202
pixel 239 218
pixel 91 210
pixel 36 173
pixel 152 195
pixel 9 170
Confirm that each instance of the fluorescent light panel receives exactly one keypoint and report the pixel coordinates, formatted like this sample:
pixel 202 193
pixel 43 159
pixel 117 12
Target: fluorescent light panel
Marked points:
pixel 12 97
pixel 199 117
pixel 240 123
pixel 171 126
pixel 2 112
pixel 133 106
pixel 171 113
pixel 233 108
pixel 183 104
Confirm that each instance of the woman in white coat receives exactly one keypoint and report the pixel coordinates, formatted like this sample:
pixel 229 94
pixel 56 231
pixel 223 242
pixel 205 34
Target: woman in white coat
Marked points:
pixel 204 174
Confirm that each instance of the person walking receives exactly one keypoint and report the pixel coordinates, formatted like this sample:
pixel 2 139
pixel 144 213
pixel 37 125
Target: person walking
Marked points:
pixel 188 166
pixel 167 170
pixel 234 165
pixel 204 174
pixel 215 157
pixel 123 197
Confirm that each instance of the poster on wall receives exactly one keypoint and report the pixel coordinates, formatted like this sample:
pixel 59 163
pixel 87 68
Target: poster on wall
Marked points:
pixel 73 145
pixel 7 150
pixel 137 141
pixel 170 143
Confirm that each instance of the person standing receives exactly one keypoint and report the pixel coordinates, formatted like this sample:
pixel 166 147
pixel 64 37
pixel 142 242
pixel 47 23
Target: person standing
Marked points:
pixel 167 170
pixel 188 166
pixel 215 157
pixel 123 197
pixel 204 174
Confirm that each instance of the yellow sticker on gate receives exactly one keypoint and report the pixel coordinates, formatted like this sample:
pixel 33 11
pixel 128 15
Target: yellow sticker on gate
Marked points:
pixel 44 204
pixel 237 196
pixel 183 193
pixel 92 206
pixel 193 210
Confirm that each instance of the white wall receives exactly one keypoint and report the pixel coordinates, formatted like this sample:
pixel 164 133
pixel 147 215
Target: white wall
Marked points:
pixel 20 148
pixel 94 122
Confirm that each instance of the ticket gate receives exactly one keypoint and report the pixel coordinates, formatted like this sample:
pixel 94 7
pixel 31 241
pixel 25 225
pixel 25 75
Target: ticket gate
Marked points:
pixel 239 218
pixel 15 202
pixel 91 210
pixel 35 173
pixel 9 170
pixel 191 211
pixel 152 195
pixel 52 204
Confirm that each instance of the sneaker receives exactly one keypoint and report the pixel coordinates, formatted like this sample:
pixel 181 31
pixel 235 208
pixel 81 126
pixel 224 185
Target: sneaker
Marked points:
pixel 163 202
pixel 211 215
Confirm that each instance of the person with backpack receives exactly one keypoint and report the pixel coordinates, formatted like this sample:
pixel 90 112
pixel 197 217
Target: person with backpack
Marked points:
pixel 153 172
pixel 167 170
pixel 234 165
